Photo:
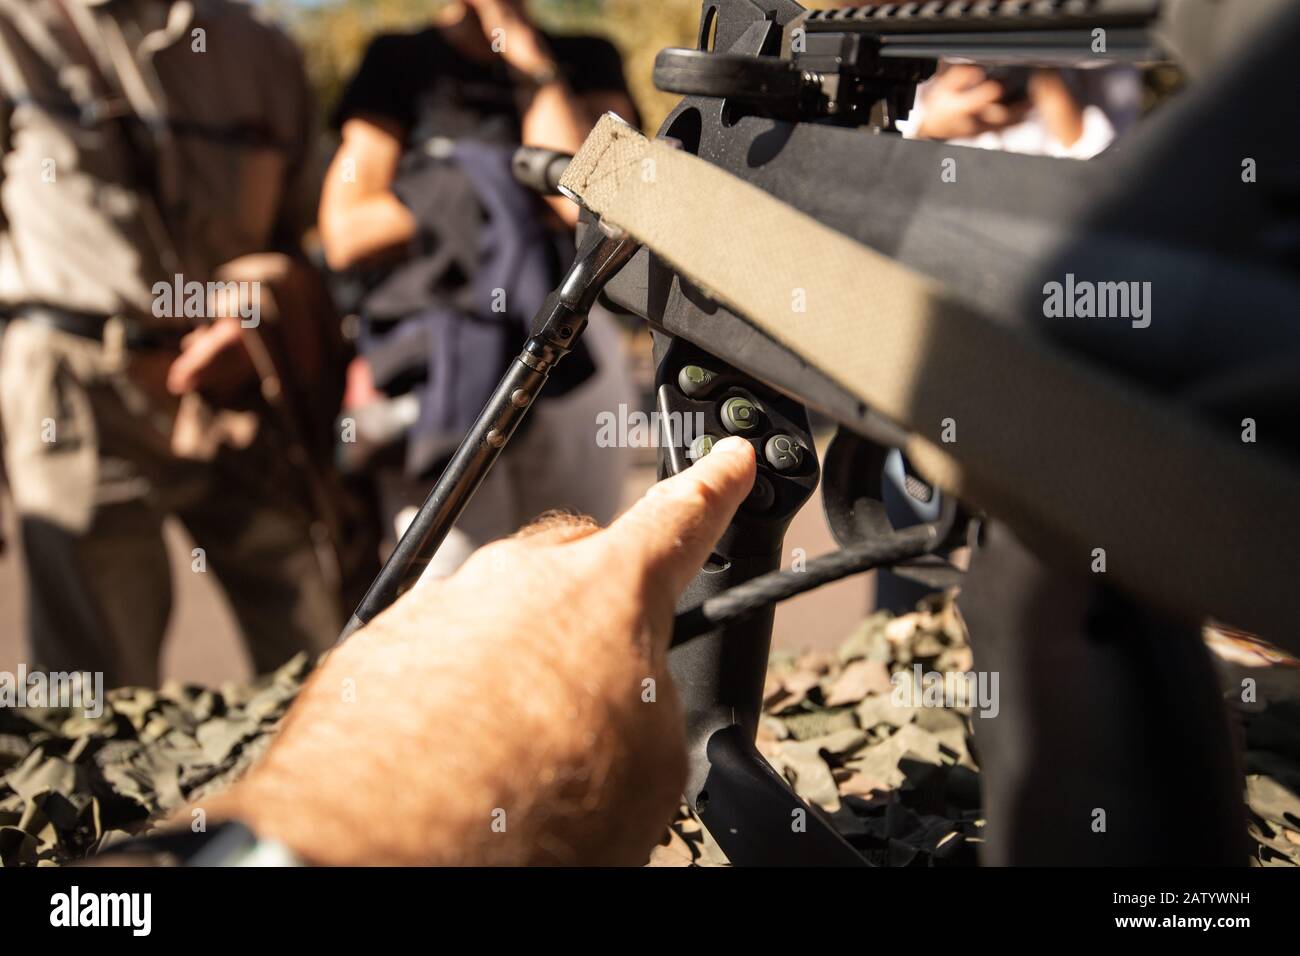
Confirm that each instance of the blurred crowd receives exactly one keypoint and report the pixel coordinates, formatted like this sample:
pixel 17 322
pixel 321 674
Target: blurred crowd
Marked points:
pixel 198 326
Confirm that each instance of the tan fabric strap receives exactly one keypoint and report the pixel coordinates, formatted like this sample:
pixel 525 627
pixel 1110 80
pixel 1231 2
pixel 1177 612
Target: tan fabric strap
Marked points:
pixel 1074 459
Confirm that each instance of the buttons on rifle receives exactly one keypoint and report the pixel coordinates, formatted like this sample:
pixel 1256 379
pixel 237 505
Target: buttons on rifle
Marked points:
pixel 762 496
pixel 783 453
pixel 695 380
pixel 740 415
pixel 700 447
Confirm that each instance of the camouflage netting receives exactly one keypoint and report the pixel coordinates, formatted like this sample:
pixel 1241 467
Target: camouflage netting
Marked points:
pixel 899 782
pixel 72 785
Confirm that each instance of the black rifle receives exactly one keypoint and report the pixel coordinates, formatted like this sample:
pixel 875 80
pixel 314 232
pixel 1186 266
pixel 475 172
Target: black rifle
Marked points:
pixel 802 104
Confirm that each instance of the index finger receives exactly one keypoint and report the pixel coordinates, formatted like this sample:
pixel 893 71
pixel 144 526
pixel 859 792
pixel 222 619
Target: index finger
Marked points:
pixel 669 533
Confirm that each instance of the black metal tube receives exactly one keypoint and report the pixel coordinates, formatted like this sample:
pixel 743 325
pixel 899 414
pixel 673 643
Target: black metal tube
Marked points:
pixel 468 467
pixel 557 328
pixel 540 169
pixel 767 589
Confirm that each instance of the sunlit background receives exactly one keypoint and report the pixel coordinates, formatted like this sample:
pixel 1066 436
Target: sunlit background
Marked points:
pixel 334 35
pixel 202 643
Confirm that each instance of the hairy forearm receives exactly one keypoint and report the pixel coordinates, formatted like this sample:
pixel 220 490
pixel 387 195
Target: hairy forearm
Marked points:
pixel 532 772
pixel 518 712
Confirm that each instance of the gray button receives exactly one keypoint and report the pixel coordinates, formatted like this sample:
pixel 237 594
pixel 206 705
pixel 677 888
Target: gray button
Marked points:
pixel 740 415
pixel 783 453
pixel 695 381
pixel 700 447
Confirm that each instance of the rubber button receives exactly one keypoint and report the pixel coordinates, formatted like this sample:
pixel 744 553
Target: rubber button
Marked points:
pixel 739 415
pixel 695 380
pixel 762 496
pixel 700 447
pixel 783 453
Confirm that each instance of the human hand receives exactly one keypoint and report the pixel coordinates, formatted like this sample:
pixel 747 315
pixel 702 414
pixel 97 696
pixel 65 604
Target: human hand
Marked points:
pixel 518 712
pixel 213 360
pixel 962 102
pixel 507 28
pixel 1062 114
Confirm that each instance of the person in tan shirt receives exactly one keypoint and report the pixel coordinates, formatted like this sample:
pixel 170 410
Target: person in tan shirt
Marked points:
pixel 146 146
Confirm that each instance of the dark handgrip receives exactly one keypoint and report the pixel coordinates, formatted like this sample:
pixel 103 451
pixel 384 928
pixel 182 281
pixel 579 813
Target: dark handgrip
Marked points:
pixel 702 73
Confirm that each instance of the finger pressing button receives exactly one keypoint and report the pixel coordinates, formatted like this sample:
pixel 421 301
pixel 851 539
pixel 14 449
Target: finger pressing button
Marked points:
pixel 700 447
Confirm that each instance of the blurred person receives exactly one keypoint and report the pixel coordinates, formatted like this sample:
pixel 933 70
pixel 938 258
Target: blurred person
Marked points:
pixel 151 148
pixel 1063 113
pixel 455 258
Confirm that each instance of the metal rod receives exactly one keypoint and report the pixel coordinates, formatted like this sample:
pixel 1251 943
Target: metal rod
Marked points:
pixel 555 331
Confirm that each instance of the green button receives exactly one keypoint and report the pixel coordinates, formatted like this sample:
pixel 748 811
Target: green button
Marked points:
pixel 739 415
pixel 783 453
pixel 700 447
pixel 694 380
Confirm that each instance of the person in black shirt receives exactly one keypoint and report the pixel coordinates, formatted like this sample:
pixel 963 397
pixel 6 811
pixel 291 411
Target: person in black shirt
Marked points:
pixel 410 207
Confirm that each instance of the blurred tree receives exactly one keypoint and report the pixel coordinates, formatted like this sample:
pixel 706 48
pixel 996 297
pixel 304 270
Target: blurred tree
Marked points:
pixel 334 35
pixel 640 30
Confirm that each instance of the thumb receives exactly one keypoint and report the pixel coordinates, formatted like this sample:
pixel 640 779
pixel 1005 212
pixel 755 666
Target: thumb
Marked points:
pixel 669 533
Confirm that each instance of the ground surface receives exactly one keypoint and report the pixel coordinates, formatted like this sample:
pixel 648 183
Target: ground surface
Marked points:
pixel 898 781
